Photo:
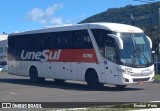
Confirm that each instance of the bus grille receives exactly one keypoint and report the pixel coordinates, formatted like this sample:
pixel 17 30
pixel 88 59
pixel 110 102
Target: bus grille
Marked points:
pixel 142 79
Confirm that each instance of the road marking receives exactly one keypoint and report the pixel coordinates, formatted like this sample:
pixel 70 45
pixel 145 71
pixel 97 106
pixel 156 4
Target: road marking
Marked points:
pixel 13 93
pixel 154 109
pixel 70 109
pixel 155 101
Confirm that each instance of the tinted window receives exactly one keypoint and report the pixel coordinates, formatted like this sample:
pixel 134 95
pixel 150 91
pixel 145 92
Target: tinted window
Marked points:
pixel 62 40
pixel 82 40
pixel 11 42
pixel 55 40
pixel 1 49
pixel 20 42
pixel 48 41
pixel 107 45
pixel 100 35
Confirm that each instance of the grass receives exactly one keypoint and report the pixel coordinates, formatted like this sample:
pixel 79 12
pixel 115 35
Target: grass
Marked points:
pixel 3 72
pixel 110 109
pixel 95 109
pixel 157 77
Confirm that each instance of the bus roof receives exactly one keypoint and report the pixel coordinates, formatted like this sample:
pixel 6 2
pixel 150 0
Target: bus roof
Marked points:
pixel 116 27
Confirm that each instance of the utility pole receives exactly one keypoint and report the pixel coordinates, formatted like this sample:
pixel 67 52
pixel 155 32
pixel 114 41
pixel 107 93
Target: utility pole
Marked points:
pixel 159 24
pixel 132 19
pixel 157 48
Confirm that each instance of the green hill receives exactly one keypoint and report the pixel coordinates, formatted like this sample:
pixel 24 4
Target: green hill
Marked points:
pixel 123 14
pixel 145 16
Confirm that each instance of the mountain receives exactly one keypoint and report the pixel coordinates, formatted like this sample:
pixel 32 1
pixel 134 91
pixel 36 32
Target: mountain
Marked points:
pixel 123 14
pixel 146 16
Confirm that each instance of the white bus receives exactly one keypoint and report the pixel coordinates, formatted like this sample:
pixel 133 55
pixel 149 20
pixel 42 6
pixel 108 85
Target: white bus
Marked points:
pixel 97 53
pixel 3 49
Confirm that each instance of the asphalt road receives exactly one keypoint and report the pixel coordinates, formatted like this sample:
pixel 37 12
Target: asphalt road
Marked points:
pixel 21 89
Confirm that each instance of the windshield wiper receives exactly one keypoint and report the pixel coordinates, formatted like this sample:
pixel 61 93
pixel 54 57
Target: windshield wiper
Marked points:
pixel 139 50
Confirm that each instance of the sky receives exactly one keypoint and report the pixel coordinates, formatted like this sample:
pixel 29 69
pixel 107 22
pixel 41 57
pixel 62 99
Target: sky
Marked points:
pixel 22 15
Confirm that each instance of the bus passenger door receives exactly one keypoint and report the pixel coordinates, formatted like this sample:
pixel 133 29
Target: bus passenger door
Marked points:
pixel 111 54
pixel 111 73
pixel 76 71
pixel 102 72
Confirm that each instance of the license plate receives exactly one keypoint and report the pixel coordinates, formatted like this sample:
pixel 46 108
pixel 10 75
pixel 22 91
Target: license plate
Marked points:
pixel 140 82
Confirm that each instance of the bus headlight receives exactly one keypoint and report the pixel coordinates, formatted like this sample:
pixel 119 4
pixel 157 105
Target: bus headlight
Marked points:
pixel 125 70
pixel 147 73
pixel 140 73
pixel 129 71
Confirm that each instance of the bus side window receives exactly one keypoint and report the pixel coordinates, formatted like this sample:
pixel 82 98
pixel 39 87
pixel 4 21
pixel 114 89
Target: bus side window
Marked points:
pixel 38 41
pixel 75 40
pixel 58 41
pixel 6 48
pixel 1 49
pixel 52 42
pixel 45 41
pixel 87 42
pixel 23 43
pixel 100 38
pixel 82 40
pixel 20 43
pixel 64 40
pixel 68 40
pixel 28 42
pixel 35 41
pixel 48 41
pixel 11 42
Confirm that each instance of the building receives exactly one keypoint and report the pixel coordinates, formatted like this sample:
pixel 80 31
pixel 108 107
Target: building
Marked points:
pixel 3 49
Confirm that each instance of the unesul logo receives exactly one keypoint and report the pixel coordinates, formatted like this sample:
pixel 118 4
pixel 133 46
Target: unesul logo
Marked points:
pixel 45 55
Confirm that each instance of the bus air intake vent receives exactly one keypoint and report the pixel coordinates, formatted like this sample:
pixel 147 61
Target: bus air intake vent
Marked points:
pixel 142 79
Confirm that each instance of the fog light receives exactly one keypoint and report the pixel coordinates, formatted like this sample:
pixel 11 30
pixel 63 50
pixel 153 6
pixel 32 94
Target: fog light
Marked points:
pixel 126 80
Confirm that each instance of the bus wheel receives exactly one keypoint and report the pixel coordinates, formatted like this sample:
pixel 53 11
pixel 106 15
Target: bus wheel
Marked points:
pixel 92 81
pixel 33 74
pixel 120 86
pixel 59 80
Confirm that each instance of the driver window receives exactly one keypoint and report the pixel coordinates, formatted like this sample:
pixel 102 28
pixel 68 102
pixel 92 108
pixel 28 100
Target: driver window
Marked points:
pixel 106 44
pixel 110 49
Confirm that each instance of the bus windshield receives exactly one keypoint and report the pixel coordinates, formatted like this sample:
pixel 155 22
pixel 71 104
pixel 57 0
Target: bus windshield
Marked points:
pixel 136 51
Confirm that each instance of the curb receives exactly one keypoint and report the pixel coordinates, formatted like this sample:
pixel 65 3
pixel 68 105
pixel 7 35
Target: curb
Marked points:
pixel 156 81
pixel 154 109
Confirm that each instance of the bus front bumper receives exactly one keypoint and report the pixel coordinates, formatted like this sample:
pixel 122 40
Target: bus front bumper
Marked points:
pixel 128 79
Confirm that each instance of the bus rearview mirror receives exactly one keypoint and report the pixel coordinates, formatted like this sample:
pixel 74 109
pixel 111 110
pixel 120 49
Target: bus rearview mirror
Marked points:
pixel 118 40
pixel 150 42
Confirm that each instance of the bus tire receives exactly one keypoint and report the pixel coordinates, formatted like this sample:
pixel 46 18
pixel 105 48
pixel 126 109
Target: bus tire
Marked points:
pixel 33 74
pixel 120 86
pixel 59 80
pixel 93 81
